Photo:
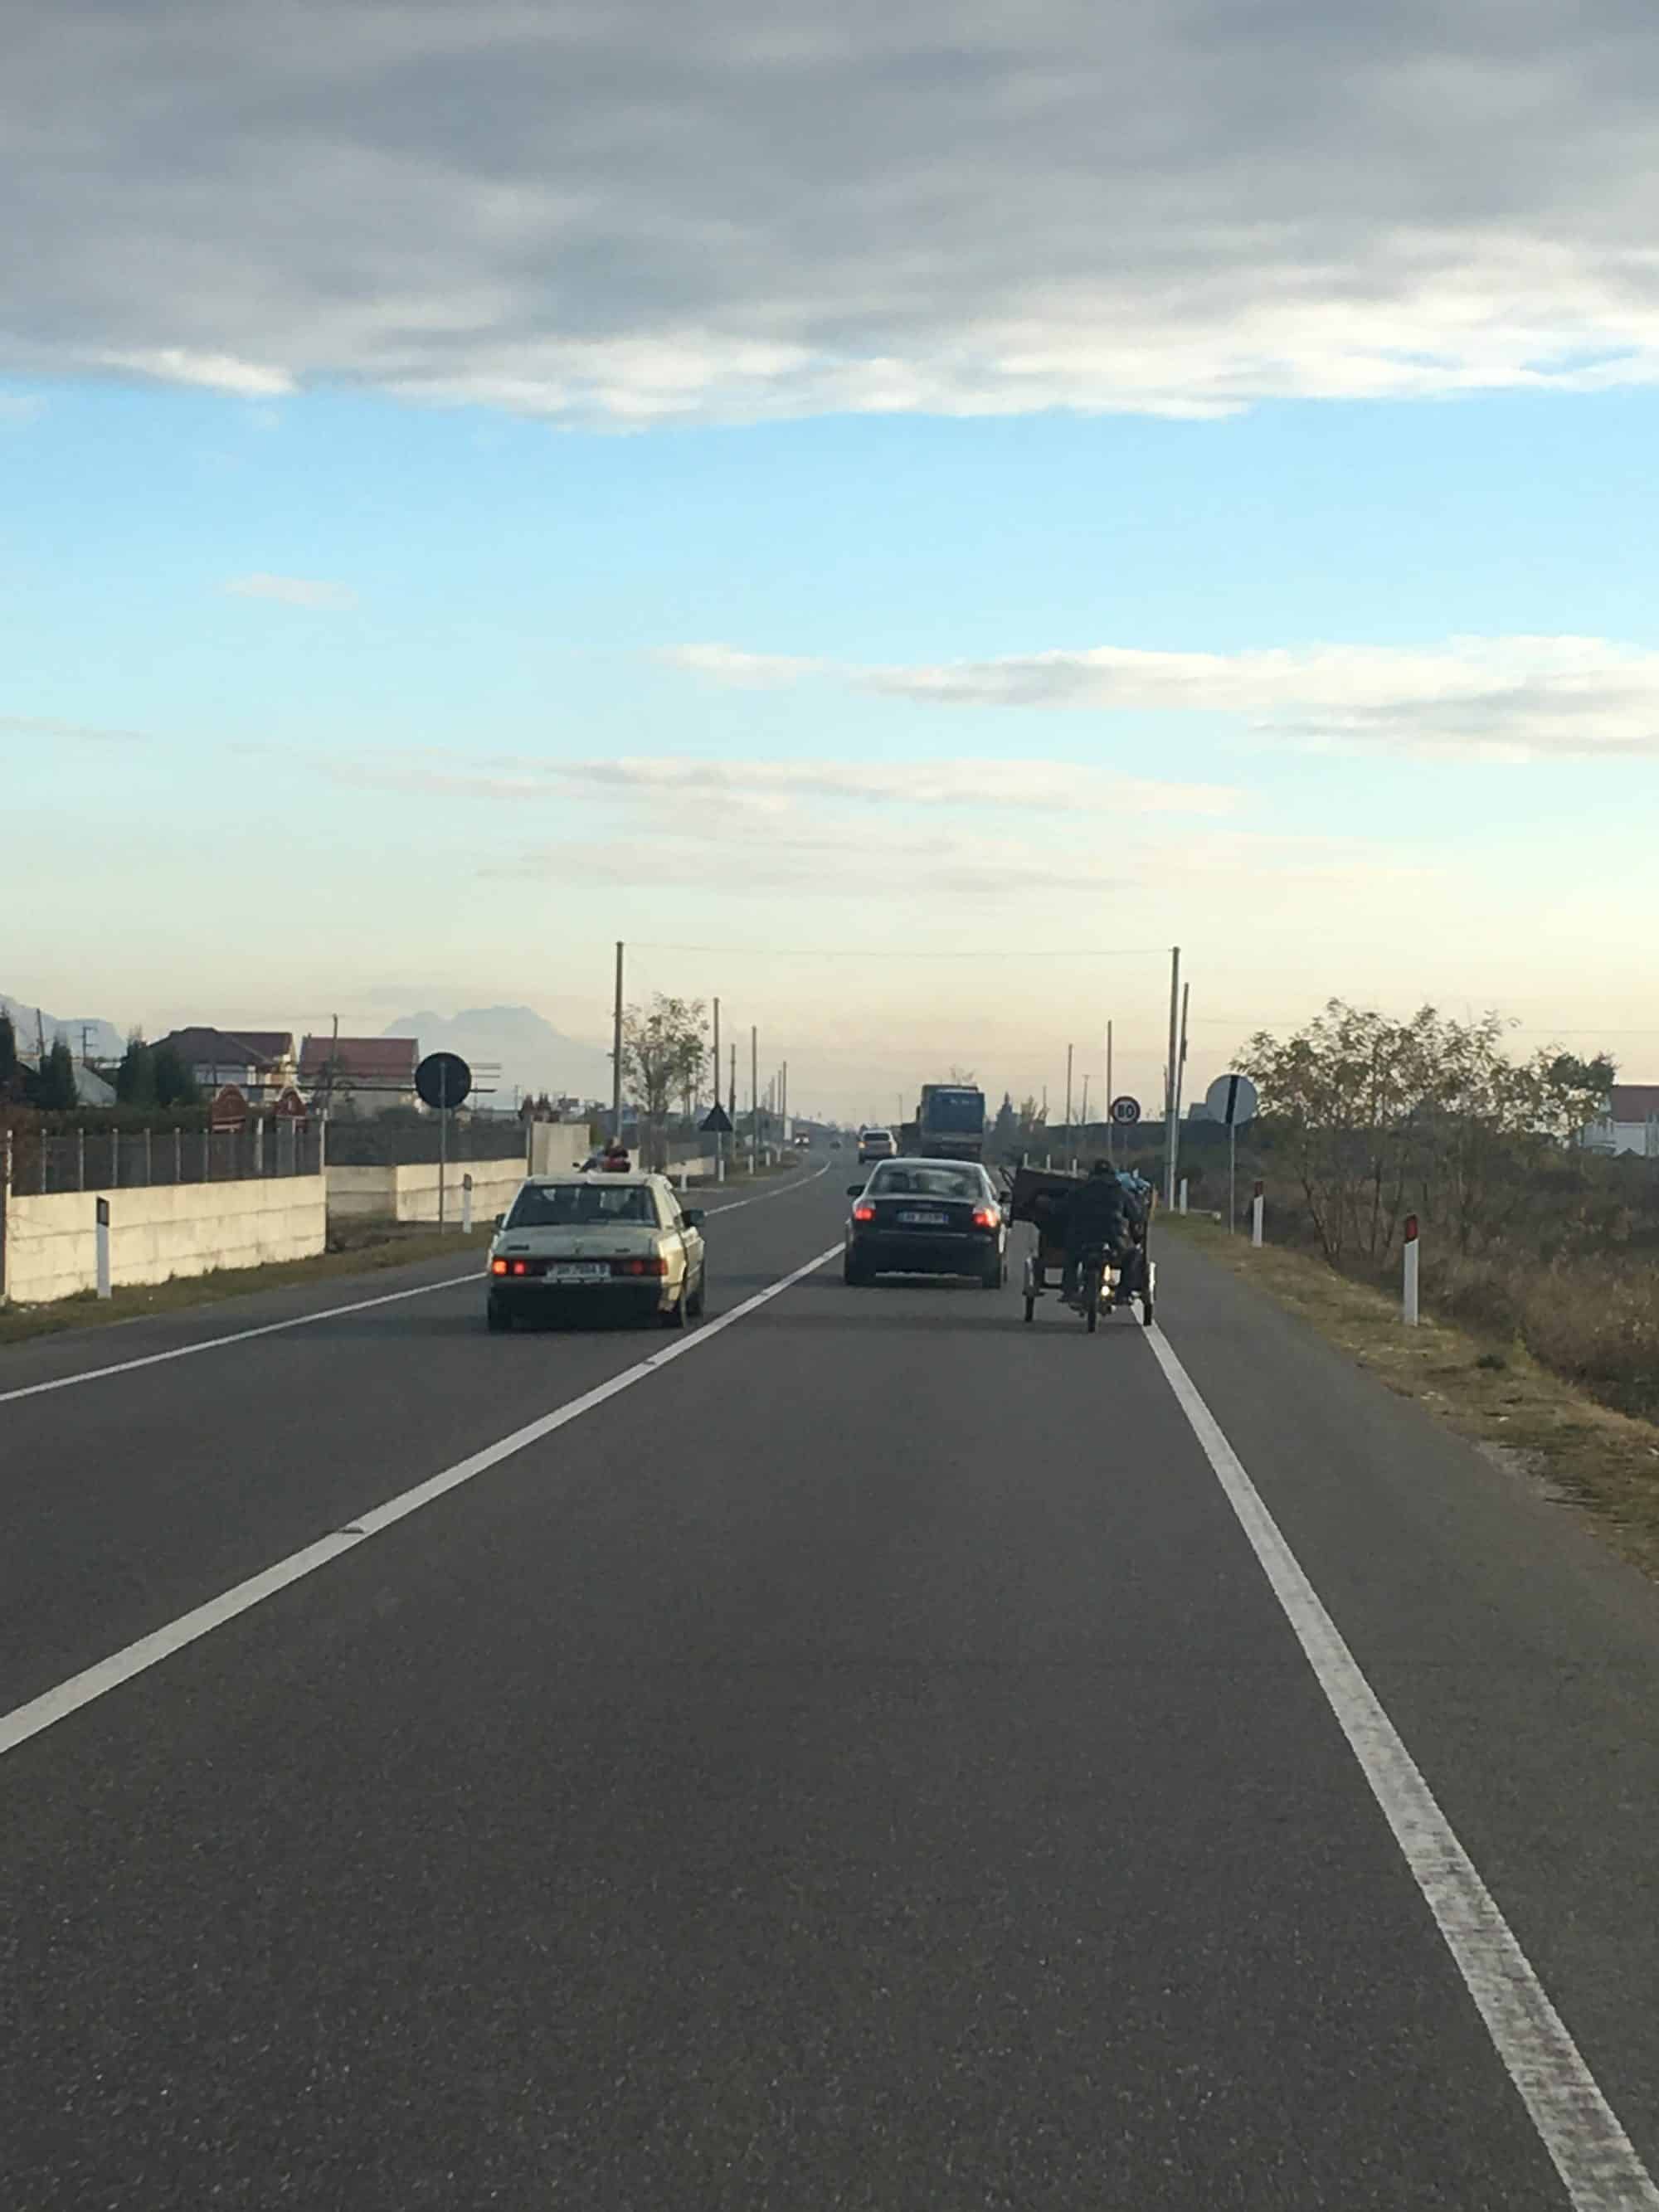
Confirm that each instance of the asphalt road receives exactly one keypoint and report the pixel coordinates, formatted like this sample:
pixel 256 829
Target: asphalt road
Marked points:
pixel 859 1762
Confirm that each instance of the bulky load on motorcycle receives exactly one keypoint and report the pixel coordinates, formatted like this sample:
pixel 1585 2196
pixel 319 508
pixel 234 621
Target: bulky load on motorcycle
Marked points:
pixel 1104 1277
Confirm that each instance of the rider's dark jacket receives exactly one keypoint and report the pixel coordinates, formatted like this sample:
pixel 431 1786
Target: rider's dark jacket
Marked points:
pixel 1098 1214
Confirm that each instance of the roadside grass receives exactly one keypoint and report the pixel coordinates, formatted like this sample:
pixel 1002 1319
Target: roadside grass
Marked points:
pixel 358 1248
pixel 1487 1387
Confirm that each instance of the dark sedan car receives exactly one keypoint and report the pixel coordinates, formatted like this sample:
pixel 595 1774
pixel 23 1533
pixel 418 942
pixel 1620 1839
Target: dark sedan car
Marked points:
pixel 927 1218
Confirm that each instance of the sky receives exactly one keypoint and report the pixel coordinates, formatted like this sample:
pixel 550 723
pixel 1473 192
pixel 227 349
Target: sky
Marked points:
pixel 903 516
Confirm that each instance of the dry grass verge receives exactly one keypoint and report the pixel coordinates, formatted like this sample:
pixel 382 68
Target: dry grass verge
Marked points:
pixel 355 1249
pixel 1488 1388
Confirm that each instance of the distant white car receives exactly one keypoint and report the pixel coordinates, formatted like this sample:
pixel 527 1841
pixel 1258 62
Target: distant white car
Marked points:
pixel 578 1246
pixel 877 1144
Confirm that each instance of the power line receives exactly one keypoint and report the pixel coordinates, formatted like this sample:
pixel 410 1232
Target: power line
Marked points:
pixel 848 951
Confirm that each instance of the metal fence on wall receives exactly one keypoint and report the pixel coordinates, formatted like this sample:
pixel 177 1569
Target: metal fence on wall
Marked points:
pixel 371 1144
pixel 110 1160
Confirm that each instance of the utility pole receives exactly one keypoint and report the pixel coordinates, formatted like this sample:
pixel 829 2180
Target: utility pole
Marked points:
pixel 784 1107
pixel 1083 1116
pixel 754 1100
pixel 615 1052
pixel 1171 1126
pixel 731 1093
pixel 1110 1093
pixel 720 1142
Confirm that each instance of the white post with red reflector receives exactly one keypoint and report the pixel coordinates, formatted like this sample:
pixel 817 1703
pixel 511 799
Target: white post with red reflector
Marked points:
pixel 1411 1250
pixel 1183 1194
pixel 102 1252
pixel 466 1205
pixel 1257 1205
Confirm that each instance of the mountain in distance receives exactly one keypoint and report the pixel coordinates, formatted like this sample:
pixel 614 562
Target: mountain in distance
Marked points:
pixel 532 1053
pixel 103 1040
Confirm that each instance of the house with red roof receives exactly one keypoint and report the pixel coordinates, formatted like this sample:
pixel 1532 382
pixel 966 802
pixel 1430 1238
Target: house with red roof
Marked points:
pixel 370 1073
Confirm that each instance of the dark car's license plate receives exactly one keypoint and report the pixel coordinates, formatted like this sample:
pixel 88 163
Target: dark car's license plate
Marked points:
pixel 925 1220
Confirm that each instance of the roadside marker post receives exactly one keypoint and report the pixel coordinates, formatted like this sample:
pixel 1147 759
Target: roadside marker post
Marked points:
pixel 1183 1194
pixel 466 1205
pixel 1412 1249
pixel 1257 1204
pixel 102 1238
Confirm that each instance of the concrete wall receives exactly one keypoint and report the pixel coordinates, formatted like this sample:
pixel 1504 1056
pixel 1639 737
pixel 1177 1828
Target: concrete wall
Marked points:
pixel 184 1229
pixel 555 1146
pixel 410 1194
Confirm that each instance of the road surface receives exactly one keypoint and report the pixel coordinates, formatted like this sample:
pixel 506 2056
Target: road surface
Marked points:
pixel 878 1755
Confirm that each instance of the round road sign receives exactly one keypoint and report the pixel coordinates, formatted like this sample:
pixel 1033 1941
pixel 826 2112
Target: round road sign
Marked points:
pixel 1126 1109
pixel 1231 1101
pixel 443 1079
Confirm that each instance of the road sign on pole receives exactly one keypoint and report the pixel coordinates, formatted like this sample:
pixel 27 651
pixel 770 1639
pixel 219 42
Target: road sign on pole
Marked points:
pixel 1231 1100
pixel 716 1122
pixel 443 1081
pixel 1125 1111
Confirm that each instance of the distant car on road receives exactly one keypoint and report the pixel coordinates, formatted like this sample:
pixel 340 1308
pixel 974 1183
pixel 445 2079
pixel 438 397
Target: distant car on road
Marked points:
pixel 578 1247
pixel 803 1144
pixel 876 1145
pixel 927 1218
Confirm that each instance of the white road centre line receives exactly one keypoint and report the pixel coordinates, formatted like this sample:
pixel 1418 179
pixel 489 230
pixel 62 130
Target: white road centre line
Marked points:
pixel 1594 2156
pixel 96 1682
pixel 305 1321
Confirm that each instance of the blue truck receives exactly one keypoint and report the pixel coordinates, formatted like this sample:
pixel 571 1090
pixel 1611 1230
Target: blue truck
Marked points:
pixel 950 1121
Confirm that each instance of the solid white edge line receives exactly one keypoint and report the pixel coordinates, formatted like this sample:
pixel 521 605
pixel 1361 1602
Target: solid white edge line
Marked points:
pixel 305 1320
pixel 1594 2156
pixel 52 1705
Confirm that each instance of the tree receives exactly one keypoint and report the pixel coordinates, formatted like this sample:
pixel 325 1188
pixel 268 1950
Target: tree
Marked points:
pixel 1380 1118
pixel 11 1068
pixel 53 1088
pixel 174 1083
pixel 1005 1129
pixel 662 1055
pixel 135 1078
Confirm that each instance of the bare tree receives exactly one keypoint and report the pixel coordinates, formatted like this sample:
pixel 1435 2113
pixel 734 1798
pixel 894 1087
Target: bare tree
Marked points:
pixel 662 1055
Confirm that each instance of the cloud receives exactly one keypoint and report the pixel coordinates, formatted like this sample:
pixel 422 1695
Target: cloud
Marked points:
pixel 918 867
pixel 292 592
pixel 37 725
pixel 1509 698
pixel 774 787
pixel 758 209
pixel 214 371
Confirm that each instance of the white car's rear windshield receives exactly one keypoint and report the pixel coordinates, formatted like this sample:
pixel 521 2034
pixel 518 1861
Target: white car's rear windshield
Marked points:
pixel 569 1205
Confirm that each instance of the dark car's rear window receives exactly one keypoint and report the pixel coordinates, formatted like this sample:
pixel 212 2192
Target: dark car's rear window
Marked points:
pixel 926 1182
pixel 569 1205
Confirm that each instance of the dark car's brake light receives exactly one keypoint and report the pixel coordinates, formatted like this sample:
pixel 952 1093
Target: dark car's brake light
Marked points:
pixel 985 1216
pixel 862 1212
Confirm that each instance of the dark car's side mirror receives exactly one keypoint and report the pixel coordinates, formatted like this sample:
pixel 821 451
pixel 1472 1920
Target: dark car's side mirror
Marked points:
pixel 501 1221
pixel 693 1217
pixel 856 1189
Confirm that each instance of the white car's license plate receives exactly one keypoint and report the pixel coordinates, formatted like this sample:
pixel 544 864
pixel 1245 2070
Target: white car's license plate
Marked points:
pixel 925 1220
pixel 577 1271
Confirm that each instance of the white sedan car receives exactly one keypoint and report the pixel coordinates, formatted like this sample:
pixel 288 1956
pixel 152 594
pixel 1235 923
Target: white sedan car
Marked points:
pixel 576 1247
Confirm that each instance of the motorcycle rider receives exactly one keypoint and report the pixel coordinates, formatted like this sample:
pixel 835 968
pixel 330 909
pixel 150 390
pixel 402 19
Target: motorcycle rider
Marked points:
pixel 1096 1220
